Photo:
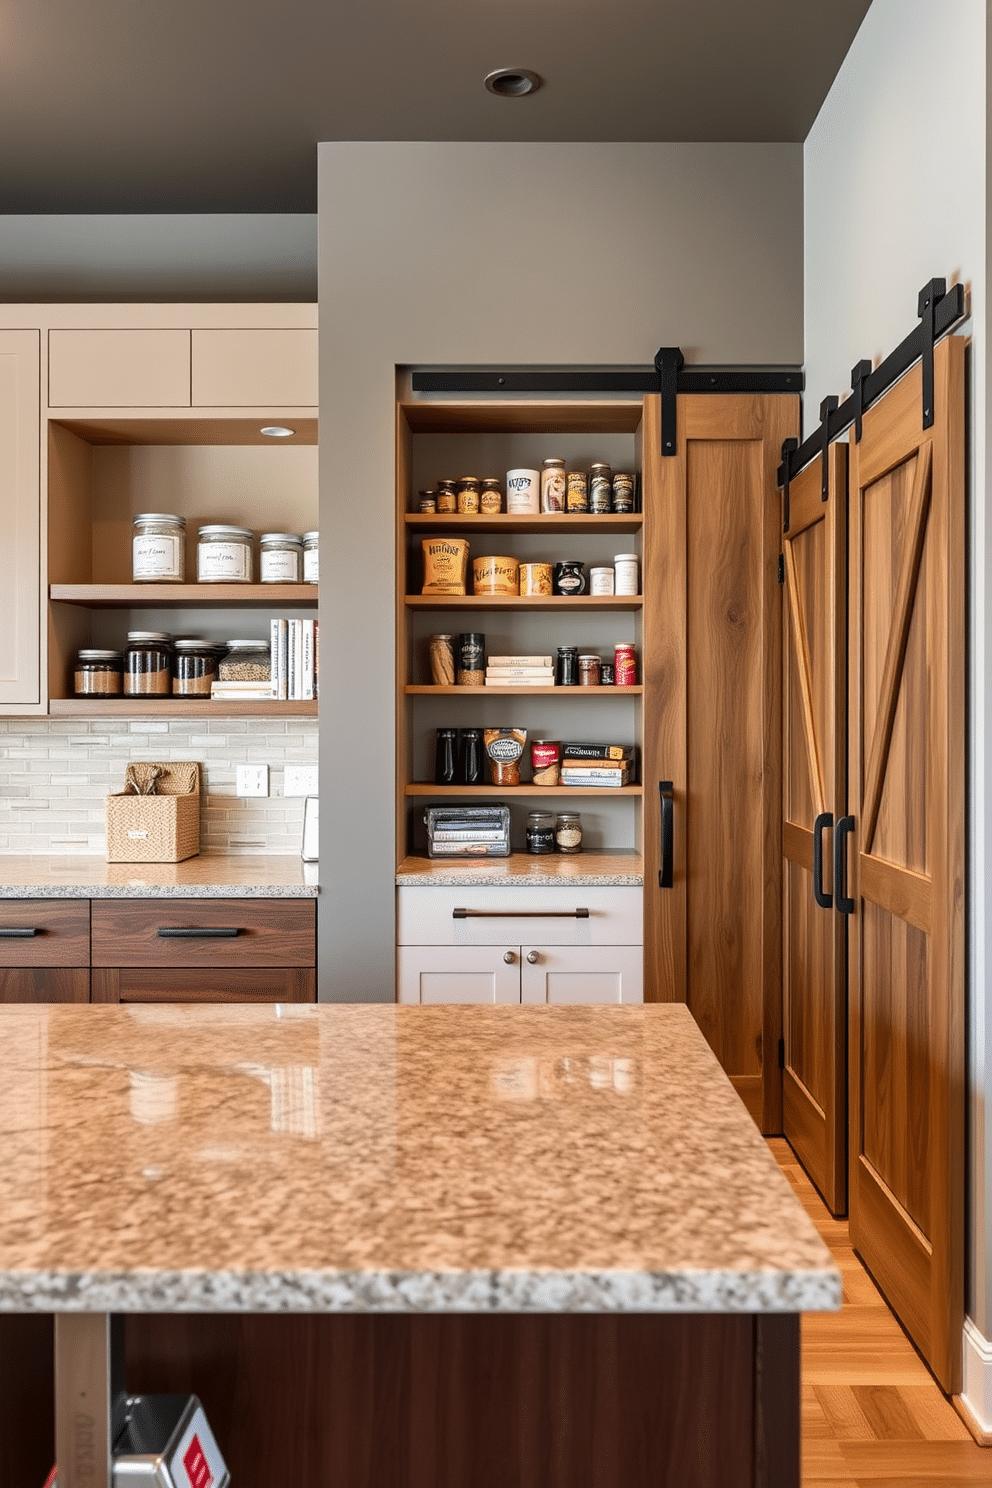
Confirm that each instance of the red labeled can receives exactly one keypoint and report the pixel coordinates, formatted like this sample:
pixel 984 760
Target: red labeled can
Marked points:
pixel 545 759
pixel 625 661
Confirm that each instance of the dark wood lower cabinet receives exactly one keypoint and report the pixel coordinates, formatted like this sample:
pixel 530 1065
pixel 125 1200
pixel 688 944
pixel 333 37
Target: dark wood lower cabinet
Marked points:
pixel 27 1400
pixel 204 984
pixel 443 1401
pixel 44 984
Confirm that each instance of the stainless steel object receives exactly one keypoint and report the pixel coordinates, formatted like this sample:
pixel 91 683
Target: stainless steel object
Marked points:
pixel 509 957
pixel 533 957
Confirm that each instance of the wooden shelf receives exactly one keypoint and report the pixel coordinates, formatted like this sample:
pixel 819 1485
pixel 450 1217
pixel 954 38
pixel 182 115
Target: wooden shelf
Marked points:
pixel 175 707
pixel 534 602
pixel 510 792
pixel 573 522
pixel 414 689
pixel 439 414
pixel 145 596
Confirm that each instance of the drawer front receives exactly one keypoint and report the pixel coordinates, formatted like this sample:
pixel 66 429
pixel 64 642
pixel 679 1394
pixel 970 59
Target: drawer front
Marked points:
pixel 255 369
pixel 269 932
pixel 426 916
pixel 197 984
pixel 61 932
pixel 118 369
pixel 44 984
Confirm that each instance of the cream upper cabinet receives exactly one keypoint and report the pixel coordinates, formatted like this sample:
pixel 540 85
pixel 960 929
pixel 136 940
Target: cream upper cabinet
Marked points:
pixel 20 510
pixel 118 368
pixel 255 368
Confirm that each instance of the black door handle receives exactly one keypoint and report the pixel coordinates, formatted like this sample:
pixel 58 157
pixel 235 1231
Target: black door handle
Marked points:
pixel 17 932
pixel 666 872
pixel 197 932
pixel 842 831
pixel 825 819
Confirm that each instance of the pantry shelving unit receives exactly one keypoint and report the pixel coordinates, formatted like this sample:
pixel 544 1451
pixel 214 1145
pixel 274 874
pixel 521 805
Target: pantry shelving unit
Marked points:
pixel 445 436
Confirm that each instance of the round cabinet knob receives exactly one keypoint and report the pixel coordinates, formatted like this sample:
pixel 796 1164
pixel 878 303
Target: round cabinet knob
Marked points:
pixel 509 957
pixel 533 957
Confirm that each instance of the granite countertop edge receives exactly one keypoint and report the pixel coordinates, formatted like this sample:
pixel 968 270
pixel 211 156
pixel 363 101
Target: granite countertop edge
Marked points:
pixel 464 880
pixel 219 890
pixel 768 1291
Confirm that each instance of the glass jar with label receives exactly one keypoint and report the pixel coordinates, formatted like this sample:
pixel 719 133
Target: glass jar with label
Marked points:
pixel 491 499
pixel 468 496
pixel 147 664
pixel 568 832
pixel 311 557
pixel 540 832
pixel 588 669
pixel 246 661
pixel 194 668
pixel 280 558
pixel 600 488
pixel 625 567
pixel 98 673
pixel 553 486
pixel 447 496
pixel 158 548
pixel 223 555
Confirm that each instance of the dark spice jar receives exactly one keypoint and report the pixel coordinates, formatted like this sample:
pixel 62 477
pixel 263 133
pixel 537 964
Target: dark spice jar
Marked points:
pixel 470 659
pixel 470 757
pixel 445 764
pixel 567 667
pixel 569 577
pixel 540 832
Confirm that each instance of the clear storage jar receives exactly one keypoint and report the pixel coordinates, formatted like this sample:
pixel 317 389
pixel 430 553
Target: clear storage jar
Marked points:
pixel 148 664
pixel 246 661
pixel 223 555
pixel 98 673
pixel 311 557
pixel 280 558
pixel 158 548
pixel 194 668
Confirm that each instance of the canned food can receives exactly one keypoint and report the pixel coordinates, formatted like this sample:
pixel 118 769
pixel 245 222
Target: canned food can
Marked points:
pixel 545 759
pixel 600 488
pixel 577 491
pixel 625 662
pixel 623 493
pixel 535 578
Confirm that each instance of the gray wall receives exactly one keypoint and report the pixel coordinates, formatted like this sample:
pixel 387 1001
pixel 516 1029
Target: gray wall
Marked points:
pixel 202 256
pixel 486 253
pixel 895 194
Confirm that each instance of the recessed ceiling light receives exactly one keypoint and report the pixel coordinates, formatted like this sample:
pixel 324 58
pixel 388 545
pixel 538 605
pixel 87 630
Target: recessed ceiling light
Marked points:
pixel 513 82
pixel 277 431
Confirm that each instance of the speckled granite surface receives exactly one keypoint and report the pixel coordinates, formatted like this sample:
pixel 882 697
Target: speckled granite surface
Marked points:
pixel 617 870
pixel 238 1158
pixel 210 875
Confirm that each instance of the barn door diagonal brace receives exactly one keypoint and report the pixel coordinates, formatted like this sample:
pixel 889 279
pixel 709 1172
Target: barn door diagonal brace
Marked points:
pixel 668 362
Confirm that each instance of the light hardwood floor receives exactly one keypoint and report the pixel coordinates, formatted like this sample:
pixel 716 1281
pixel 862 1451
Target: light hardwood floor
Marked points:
pixel 871 1411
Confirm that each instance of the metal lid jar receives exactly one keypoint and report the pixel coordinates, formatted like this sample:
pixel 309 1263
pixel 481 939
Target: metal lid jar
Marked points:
pixel 223 555
pixel 280 558
pixel 98 673
pixel 311 557
pixel 245 661
pixel 568 832
pixel 148 664
pixel 194 668
pixel 158 548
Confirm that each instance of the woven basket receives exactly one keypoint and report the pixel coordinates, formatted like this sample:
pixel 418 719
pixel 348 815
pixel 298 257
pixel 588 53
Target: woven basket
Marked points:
pixel 164 828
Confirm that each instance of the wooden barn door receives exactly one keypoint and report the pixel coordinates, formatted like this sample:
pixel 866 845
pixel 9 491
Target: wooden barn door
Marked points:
pixel 712 729
pixel 814 780
pixel 905 855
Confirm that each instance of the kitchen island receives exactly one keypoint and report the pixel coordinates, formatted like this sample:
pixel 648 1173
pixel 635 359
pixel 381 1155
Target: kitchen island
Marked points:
pixel 413 1246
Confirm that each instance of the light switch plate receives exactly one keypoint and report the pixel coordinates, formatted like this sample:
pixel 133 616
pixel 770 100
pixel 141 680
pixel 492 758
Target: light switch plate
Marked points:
pixel 253 780
pixel 299 780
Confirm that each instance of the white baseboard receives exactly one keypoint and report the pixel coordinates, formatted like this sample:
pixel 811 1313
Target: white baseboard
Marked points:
pixel 975 1401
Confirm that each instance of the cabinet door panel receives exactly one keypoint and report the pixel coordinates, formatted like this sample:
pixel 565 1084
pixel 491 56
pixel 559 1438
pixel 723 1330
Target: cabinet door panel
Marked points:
pixel 198 984
pixel 118 369
pixel 454 974
pixel 44 984
pixel 595 974
pixel 255 368
pixel 20 509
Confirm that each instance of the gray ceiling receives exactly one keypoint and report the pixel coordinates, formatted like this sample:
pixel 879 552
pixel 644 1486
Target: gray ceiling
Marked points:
pixel 217 105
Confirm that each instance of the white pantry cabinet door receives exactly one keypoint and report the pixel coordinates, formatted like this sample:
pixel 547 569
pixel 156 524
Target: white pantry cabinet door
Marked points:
pixel 138 368
pixel 20 512
pixel 587 974
pixel 453 974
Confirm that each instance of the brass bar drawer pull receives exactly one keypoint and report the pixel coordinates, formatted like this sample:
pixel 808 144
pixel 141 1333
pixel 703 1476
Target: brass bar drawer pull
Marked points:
pixel 519 914
pixel 197 932
pixel 18 932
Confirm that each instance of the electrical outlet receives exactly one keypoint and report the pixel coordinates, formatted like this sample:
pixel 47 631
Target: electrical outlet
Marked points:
pixel 299 780
pixel 253 780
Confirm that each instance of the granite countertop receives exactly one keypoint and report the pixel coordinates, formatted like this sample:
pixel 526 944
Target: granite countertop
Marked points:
pixel 521 870
pixel 208 875
pixel 379 1158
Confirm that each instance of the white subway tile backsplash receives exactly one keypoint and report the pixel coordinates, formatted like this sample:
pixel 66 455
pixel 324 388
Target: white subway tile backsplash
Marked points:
pixel 55 773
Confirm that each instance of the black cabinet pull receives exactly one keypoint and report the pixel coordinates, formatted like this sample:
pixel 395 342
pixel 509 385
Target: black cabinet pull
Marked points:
pixel 666 873
pixel 825 819
pixel 17 932
pixel 458 913
pixel 197 932
pixel 842 831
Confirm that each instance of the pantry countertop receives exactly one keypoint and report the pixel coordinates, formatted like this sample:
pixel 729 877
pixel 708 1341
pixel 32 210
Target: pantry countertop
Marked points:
pixel 523 870
pixel 209 875
pixel 349 1158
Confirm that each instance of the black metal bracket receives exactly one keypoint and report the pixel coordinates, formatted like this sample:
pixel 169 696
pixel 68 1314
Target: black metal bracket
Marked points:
pixel 827 407
pixel 788 446
pixel 930 297
pixel 858 375
pixel 669 362
pixel 628 382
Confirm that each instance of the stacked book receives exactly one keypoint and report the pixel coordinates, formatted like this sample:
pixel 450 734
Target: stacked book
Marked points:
pixel 520 671
pixel 295 660
pixel 481 831
pixel 597 766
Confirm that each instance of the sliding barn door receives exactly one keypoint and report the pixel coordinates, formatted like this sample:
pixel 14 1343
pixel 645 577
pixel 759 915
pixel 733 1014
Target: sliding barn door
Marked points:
pixel 906 855
pixel 712 729
pixel 814 771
